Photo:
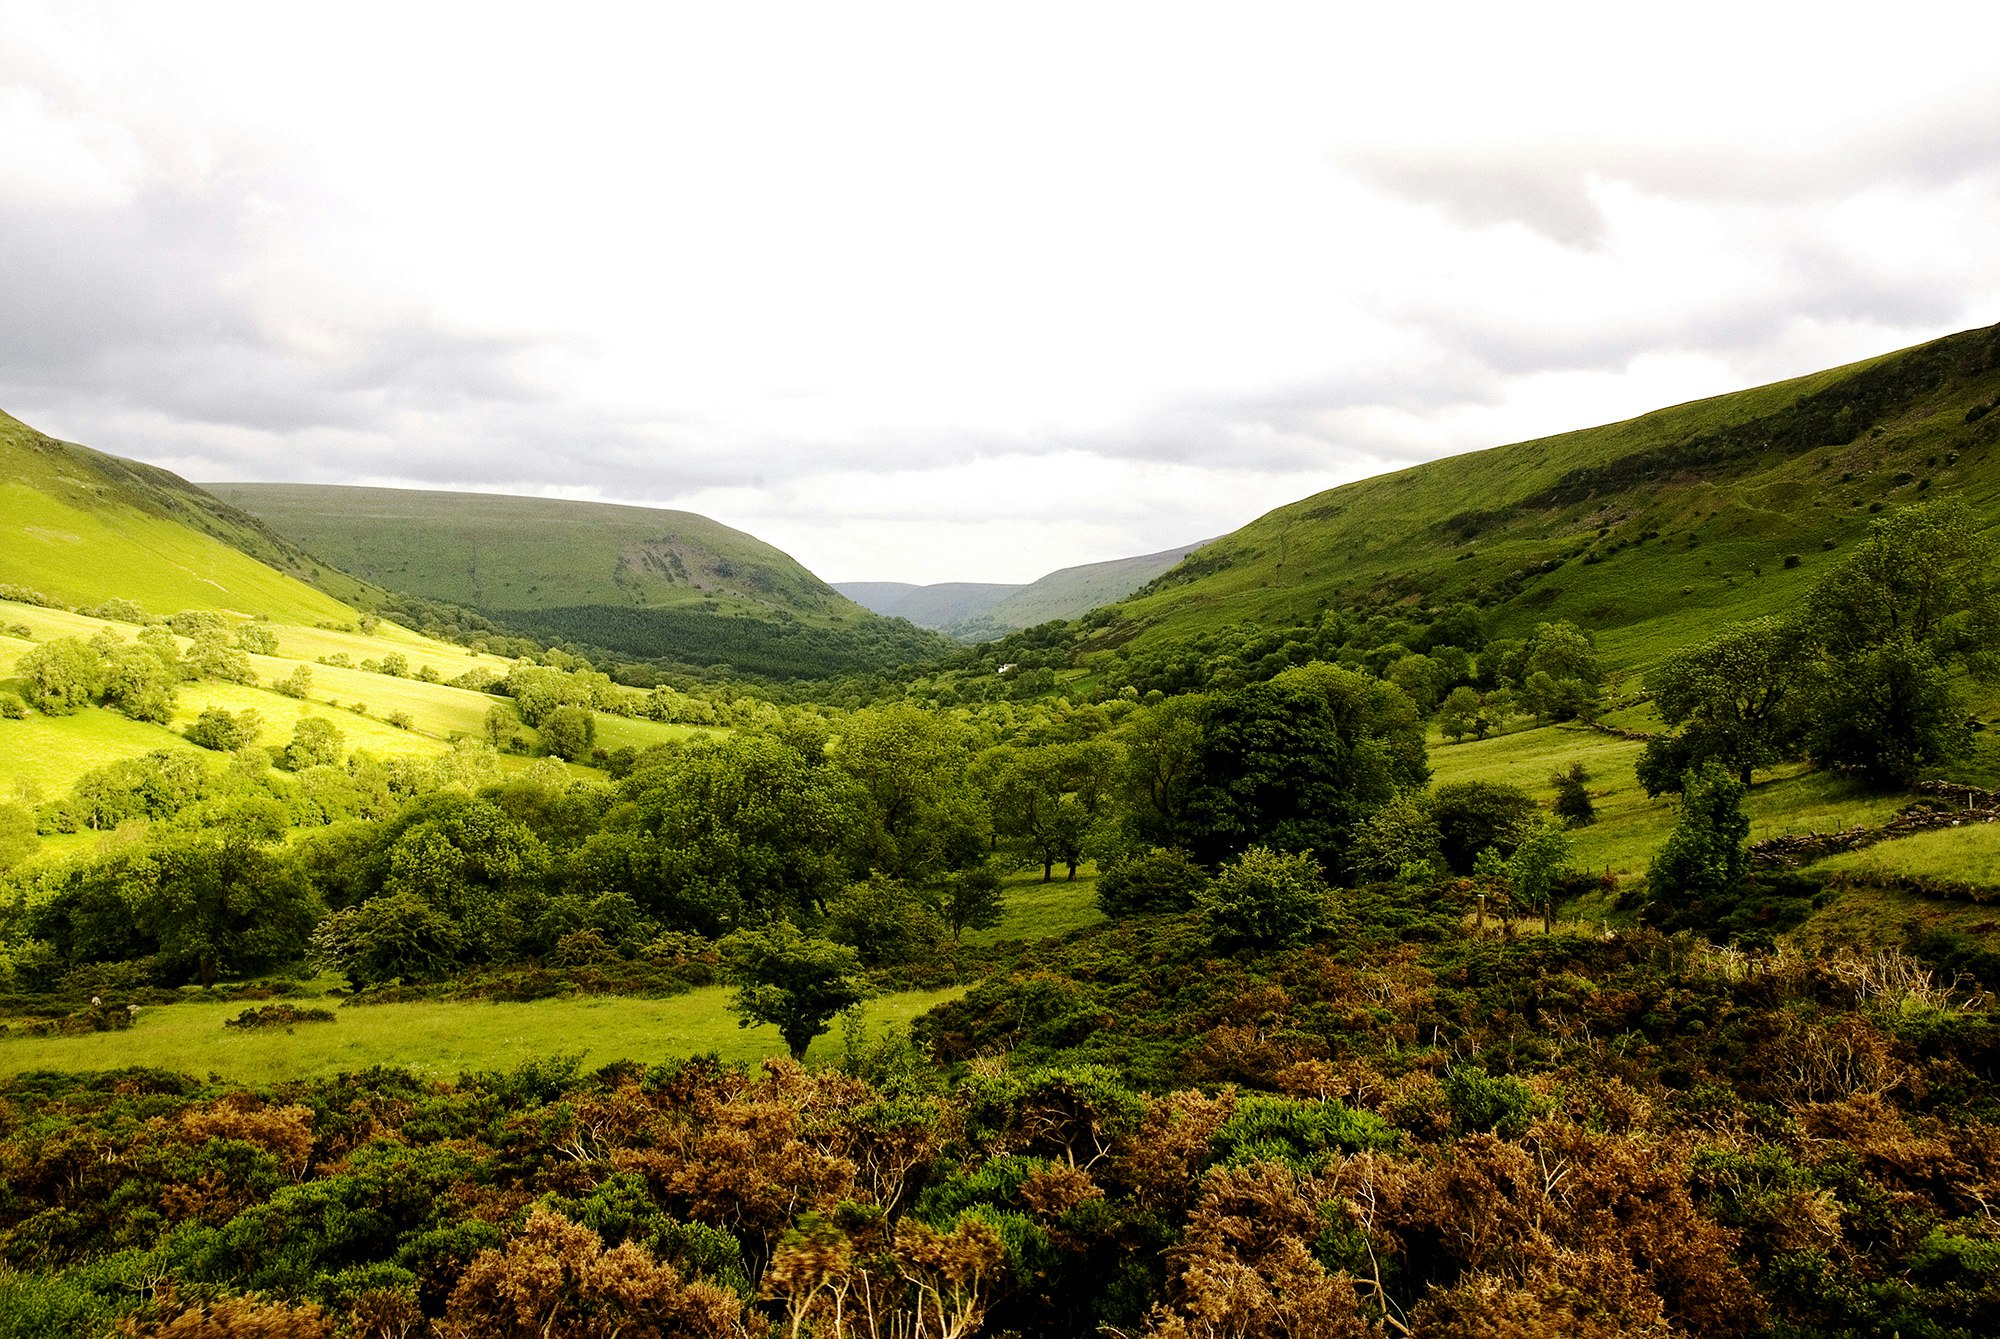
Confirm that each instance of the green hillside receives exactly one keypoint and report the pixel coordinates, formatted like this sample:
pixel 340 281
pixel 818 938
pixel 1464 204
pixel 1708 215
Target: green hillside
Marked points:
pixel 938 605
pixel 1647 532
pixel 638 581
pixel 79 527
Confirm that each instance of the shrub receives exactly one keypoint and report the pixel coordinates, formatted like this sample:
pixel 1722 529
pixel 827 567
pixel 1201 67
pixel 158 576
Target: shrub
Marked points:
pixel 296 684
pixel 1265 899
pixel 225 731
pixel 1161 879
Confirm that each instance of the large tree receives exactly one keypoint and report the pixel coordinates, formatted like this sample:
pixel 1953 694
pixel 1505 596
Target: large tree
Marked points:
pixel 1735 697
pixel 1295 762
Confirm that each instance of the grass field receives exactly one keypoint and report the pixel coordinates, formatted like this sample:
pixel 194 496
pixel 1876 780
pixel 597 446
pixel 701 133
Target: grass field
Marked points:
pixel 1970 854
pixel 1036 910
pixel 437 1037
pixel 1630 826
pixel 48 754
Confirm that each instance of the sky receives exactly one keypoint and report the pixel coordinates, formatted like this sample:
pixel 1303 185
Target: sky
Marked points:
pixel 956 292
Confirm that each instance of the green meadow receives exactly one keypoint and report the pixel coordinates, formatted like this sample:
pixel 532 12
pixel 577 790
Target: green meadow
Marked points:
pixel 442 1038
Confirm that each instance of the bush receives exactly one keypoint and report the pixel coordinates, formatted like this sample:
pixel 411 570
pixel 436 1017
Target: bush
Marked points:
pixel 278 1015
pixel 1265 899
pixel 225 731
pixel 257 640
pixel 1161 879
pixel 297 684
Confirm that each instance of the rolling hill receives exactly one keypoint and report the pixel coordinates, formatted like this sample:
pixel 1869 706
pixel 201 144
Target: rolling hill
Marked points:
pixel 640 582
pixel 1648 532
pixel 80 526
pixel 975 611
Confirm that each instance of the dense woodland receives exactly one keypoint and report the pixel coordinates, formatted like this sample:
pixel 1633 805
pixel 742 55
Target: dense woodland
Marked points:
pixel 1325 1069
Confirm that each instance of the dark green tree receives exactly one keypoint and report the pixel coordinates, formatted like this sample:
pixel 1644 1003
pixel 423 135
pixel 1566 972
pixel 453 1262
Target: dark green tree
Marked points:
pixel 567 732
pixel 1473 815
pixel 1296 762
pixel 1573 803
pixel 1734 697
pixel 971 900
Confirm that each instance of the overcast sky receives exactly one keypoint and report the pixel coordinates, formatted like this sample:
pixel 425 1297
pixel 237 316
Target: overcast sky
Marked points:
pixel 954 292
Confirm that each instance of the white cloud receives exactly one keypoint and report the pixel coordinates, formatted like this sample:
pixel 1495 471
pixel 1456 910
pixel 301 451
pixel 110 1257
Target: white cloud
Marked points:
pixel 929 293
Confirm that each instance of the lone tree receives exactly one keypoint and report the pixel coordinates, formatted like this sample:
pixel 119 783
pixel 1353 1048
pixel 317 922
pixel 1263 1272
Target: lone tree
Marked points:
pixel 1707 852
pixel 791 981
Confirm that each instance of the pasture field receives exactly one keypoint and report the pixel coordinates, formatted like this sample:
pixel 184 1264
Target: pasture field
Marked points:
pixel 1035 910
pixel 42 756
pixel 1970 854
pixel 1630 826
pixel 438 1037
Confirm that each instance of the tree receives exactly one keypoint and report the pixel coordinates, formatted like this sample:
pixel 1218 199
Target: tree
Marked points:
pixel 394 937
pixel 1706 853
pixel 1538 861
pixel 316 742
pixel 884 920
pixel 1572 803
pixel 795 983
pixel 567 732
pixel 1265 899
pixel 1559 672
pixel 139 683
pixel 212 657
pixel 1398 841
pixel 1162 763
pixel 1296 762
pixel 61 677
pixel 224 905
pixel 1051 797
pixel 225 731
pixel 1473 815
pixel 1734 697
pixel 1888 713
pixel 918 819
pixel 1924 575
pixel 1461 715
pixel 972 900
pixel 297 684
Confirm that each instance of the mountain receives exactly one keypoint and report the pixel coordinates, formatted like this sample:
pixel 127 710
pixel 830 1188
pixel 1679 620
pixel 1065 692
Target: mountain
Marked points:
pixel 975 611
pixel 1648 532
pixel 934 606
pixel 1069 592
pixel 81 527
pixel 640 582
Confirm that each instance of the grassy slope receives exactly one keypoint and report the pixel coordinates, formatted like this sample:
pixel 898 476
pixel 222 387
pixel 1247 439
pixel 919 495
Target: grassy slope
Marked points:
pixel 1630 826
pixel 84 527
pixel 51 753
pixel 1729 484
pixel 490 551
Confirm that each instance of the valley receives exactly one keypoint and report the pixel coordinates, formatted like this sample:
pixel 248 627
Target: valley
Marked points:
pixel 1360 924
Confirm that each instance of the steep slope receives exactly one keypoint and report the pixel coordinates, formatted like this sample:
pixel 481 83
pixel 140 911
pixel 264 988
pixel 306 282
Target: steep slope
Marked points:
pixel 80 527
pixel 637 581
pixel 1647 531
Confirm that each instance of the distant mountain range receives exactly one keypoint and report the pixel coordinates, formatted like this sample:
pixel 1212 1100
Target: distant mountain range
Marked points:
pixel 974 611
